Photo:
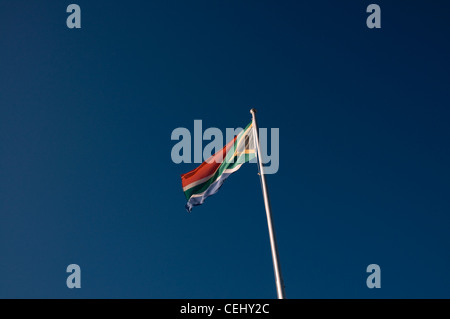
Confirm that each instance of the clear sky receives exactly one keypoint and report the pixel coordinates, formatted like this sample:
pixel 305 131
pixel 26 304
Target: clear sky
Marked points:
pixel 86 175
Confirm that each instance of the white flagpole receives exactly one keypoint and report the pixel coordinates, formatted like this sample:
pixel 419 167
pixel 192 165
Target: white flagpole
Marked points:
pixel 273 242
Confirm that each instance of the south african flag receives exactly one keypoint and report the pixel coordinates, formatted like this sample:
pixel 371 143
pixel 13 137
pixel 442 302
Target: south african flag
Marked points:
pixel 206 179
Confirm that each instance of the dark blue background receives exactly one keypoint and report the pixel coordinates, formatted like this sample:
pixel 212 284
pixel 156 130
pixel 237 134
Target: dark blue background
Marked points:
pixel 86 175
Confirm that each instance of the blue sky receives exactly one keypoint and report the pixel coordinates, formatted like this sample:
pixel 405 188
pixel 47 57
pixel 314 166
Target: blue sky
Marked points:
pixel 86 175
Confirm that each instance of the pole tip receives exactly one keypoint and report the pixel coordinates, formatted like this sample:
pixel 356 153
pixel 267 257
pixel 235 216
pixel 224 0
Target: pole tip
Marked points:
pixel 253 111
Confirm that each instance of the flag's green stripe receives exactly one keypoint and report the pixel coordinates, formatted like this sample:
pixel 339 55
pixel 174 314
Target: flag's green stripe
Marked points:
pixel 225 165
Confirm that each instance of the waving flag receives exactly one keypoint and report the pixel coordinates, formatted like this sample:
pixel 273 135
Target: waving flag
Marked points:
pixel 206 179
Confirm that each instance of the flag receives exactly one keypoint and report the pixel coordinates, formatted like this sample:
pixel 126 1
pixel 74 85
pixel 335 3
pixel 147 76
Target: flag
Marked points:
pixel 206 179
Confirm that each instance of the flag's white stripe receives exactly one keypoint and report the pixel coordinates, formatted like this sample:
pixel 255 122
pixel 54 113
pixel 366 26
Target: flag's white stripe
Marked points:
pixel 227 171
pixel 237 149
pixel 200 181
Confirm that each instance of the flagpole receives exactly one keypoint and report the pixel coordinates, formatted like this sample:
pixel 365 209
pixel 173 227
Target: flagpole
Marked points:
pixel 273 242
